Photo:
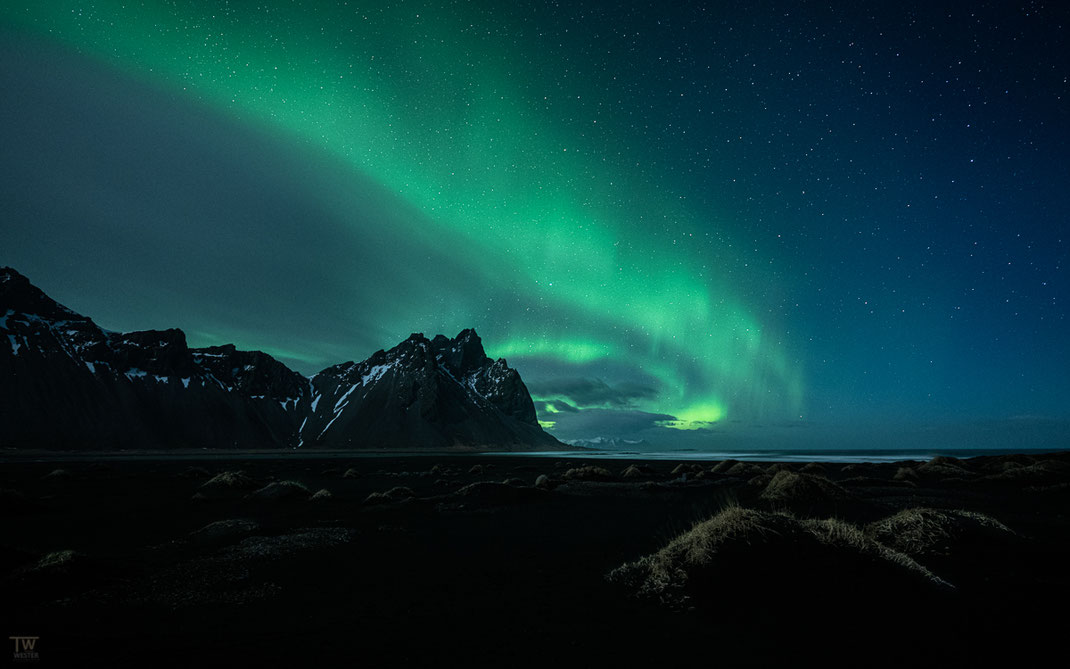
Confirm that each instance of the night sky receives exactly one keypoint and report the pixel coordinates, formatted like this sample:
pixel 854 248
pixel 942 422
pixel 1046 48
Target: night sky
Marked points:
pixel 706 225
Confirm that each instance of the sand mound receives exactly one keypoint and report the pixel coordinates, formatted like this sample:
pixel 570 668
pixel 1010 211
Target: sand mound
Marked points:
pixel 351 474
pixel 588 473
pixel 321 495
pixel 923 531
pixel 734 554
pixel 282 490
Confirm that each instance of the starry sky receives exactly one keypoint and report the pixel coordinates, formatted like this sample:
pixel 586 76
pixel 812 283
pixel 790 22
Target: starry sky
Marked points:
pixel 791 224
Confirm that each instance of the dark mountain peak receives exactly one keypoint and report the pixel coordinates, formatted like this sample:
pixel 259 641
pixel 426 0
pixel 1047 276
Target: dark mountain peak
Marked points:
pixel 224 349
pixel 159 338
pixel 10 274
pixel 467 334
pixel 252 372
pixel 158 352
pixel 414 348
pixel 462 354
pixel 18 295
pixel 65 382
pixel 377 358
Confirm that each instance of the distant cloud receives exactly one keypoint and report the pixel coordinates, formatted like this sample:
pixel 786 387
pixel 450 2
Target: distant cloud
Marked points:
pixel 591 393
pixel 587 423
pixel 547 408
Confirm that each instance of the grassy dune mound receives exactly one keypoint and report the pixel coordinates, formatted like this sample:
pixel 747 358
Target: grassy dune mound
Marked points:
pixel 64 573
pixel 907 474
pixel 1040 472
pixel 492 492
pixel 742 469
pixel 723 466
pixel 744 554
pixel 588 473
pixel 945 467
pixel 687 468
pixel 787 487
pixel 922 531
pixel 225 529
pixel 637 471
pixel 227 485
pixel 282 490
pixel 396 494
pixel 15 502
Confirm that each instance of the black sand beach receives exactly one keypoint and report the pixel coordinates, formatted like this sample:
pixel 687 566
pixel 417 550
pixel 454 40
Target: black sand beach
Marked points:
pixel 480 560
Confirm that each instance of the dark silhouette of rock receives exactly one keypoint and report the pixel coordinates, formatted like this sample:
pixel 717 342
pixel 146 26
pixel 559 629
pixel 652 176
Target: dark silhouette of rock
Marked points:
pixel 66 383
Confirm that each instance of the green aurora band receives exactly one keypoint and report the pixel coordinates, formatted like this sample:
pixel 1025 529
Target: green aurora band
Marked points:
pixel 453 113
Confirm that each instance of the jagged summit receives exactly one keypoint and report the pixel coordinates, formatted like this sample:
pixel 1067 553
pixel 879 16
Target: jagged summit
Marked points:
pixel 443 392
pixel 67 383
pixel 18 294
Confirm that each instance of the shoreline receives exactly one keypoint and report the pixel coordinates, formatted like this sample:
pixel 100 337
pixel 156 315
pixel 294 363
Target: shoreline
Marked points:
pixel 832 456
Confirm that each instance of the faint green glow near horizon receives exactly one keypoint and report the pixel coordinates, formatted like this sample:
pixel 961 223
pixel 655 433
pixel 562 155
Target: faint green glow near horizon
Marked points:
pixel 697 416
pixel 415 102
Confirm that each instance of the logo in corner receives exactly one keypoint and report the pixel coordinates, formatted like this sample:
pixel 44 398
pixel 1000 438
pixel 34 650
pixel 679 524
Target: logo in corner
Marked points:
pixel 25 648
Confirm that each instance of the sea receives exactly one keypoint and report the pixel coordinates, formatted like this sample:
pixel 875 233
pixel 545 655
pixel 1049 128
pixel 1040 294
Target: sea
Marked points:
pixel 835 456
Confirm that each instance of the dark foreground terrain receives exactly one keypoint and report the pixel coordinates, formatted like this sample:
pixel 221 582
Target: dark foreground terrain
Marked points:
pixel 467 560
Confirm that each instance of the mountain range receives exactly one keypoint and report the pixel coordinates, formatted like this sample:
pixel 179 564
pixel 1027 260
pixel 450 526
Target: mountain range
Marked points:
pixel 66 383
pixel 611 444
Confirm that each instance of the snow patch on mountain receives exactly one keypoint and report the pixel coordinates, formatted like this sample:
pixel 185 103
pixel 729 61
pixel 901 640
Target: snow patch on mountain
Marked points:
pixel 375 373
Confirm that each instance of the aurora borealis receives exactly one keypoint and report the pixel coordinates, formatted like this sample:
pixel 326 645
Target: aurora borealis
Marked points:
pixel 676 222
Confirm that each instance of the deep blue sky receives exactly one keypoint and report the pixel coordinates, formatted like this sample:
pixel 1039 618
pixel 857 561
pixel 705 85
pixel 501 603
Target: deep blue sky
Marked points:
pixel 788 223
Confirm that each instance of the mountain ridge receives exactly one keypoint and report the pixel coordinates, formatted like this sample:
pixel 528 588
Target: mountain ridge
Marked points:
pixel 66 383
